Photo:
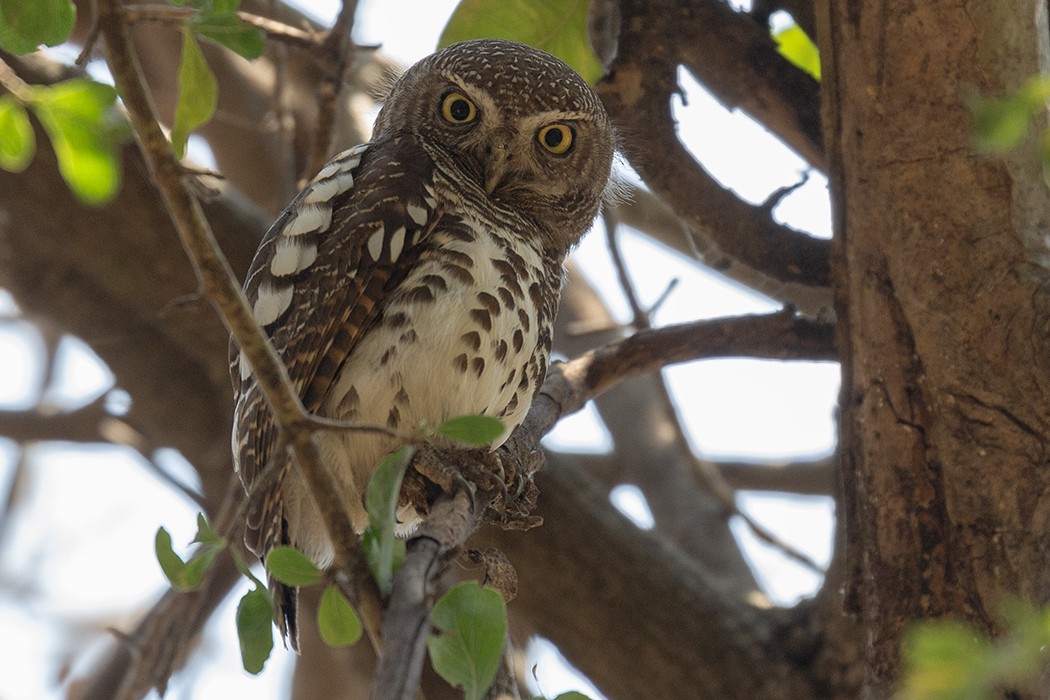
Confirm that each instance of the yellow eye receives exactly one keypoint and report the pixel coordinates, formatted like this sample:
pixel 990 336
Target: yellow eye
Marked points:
pixel 457 109
pixel 556 138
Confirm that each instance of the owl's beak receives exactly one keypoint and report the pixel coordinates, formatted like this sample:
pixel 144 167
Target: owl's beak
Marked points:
pixel 497 162
pixel 493 175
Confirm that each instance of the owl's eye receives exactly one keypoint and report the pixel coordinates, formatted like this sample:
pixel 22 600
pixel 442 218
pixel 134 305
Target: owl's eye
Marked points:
pixel 457 109
pixel 556 138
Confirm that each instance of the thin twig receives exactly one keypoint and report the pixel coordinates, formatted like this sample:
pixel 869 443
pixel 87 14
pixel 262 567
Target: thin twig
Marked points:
pixel 18 88
pixel 612 226
pixel 279 31
pixel 334 51
pixel 716 485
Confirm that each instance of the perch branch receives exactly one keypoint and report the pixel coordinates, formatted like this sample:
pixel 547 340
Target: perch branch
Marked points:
pixel 220 287
pixel 780 335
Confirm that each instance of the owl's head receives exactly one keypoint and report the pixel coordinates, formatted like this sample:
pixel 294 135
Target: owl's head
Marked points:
pixel 514 124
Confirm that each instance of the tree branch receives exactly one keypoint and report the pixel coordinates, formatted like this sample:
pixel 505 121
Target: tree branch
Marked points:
pixel 637 94
pixel 220 287
pixel 166 14
pixel 782 336
pixel 807 478
pixel 736 58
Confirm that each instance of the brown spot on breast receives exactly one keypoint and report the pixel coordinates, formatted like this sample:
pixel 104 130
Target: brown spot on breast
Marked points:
pixel 536 292
pixel 408 336
pixel 435 282
pixel 472 339
pixel 420 295
pixel 478 365
pixel 523 318
pixel 462 233
pixel 387 355
pixel 458 273
pixel 397 320
pixel 511 405
pixel 518 339
pixel 460 362
pixel 499 350
pixel 506 298
pixel 509 380
pixel 393 419
pixel 456 257
pixel 504 268
pixel 350 401
pixel 482 318
pixel 401 398
pixel 490 303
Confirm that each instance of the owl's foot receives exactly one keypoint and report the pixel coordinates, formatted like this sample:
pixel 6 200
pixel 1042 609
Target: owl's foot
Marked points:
pixel 502 475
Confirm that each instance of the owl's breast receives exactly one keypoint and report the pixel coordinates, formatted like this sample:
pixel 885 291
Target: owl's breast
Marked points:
pixel 466 332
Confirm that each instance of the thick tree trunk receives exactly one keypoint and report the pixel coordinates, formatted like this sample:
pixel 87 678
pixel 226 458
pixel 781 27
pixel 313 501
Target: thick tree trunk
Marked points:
pixel 942 301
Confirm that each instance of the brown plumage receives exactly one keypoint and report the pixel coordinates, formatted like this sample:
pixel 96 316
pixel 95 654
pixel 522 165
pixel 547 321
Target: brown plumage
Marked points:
pixel 416 277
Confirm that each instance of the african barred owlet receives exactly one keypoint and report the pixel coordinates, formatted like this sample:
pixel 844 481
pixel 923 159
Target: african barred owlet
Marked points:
pixel 416 277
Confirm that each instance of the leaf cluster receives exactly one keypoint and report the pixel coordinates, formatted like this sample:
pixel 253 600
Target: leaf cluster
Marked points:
pixel 952 660
pixel 471 621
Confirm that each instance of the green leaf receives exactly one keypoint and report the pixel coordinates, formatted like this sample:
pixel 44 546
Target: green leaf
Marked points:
pixel 1001 123
pixel 17 143
pixel 198 566
pixel 198 93
pixel 473 625
pixel 224 6
pixel 795 45
pixel 205 535
pixel 337 621
pixel 228 30
pixel 572 695
pixel 184 576
pixel 291 567
pixel 944 661
pixel 558 27
pixel 381 498
pixel 255 629
pixel 78 116
pixel 26 24
pixel 472 430
pixel 170 563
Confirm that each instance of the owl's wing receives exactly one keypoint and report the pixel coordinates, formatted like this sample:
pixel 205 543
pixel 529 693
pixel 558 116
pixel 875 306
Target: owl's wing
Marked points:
pixel 316 286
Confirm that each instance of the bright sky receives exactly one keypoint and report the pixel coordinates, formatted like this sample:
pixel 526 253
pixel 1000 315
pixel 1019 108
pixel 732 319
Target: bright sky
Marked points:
pixel 732 409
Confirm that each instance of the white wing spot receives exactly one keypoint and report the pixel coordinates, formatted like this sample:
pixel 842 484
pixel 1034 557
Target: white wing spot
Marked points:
pixel 327 171
pixel 309 218
pixel 322 191
pixel 271 303
pixel 431 202
pixel 345 180
pixel 397 243
pixel 375 244
pixel 286 257
pixel 307 256
pixel 417 213
pixel 244 368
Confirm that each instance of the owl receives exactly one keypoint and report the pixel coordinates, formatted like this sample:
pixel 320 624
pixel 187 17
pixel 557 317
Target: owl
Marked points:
pixel 416 277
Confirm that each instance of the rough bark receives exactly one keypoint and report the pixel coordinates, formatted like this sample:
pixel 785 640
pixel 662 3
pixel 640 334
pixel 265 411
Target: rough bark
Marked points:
pixel 942 299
